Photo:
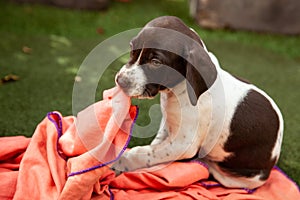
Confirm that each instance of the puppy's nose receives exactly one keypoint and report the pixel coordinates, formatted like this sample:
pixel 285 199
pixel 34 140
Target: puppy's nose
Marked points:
pixel 122 81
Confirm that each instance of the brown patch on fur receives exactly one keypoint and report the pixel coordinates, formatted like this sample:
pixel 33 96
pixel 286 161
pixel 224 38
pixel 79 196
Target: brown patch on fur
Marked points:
pixel 253 134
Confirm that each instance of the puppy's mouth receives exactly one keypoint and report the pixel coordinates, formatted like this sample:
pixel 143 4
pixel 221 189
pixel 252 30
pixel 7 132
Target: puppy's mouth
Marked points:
pixel 150 91
pixel 136 89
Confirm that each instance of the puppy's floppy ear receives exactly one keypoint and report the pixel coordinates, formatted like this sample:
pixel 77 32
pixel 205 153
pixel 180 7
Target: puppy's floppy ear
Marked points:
pixel 200 72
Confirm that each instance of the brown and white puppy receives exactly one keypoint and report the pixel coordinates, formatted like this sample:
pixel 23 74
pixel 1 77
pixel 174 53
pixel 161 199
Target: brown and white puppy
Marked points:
pixel 229 124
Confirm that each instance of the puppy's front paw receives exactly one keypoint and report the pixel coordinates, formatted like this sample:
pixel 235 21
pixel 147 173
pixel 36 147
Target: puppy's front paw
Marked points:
pixel 136 158
pixel 122 165
pixel 117 172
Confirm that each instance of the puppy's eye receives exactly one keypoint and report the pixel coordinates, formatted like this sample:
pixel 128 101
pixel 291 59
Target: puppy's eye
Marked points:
pixel 155 62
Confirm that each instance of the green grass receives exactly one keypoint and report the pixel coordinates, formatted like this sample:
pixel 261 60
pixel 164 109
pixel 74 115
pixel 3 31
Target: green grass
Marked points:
pixel 60 39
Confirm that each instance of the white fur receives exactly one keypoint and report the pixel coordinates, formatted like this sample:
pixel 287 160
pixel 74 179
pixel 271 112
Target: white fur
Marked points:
pixel 137 74
pixel 233 182
pixel 186 130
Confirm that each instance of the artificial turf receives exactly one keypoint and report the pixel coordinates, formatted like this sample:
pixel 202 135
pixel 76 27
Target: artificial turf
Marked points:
pixel 60 39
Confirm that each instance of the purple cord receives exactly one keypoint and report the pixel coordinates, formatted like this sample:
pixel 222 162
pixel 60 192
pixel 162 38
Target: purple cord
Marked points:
pixel 251 191
pixel 200 163
pixel 207 186
pixel 283 173
pixel 112 196
pixel 117 158
pixel 58 126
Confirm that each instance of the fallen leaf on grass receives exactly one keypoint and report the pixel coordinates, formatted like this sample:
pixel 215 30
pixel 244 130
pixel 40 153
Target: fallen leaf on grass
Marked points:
pixel 27 50
pixel 100 30
pixel 9 78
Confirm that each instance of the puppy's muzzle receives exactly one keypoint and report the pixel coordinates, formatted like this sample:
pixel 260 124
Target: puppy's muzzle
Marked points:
pixel 122 81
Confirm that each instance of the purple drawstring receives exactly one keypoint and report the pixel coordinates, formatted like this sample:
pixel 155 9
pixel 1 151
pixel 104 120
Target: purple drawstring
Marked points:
pixel 117 158
pixel 58 126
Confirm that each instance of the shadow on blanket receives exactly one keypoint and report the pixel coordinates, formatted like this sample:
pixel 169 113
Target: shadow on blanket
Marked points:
pixel 62 161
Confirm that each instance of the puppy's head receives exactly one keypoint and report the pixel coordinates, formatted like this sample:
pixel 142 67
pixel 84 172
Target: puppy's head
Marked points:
pixel 165 53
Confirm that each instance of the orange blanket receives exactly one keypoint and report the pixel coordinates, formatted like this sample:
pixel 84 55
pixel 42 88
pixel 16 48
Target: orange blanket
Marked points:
pixel 69 158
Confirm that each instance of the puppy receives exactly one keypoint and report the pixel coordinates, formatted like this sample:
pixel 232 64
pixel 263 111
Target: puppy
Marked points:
pixel 231 125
